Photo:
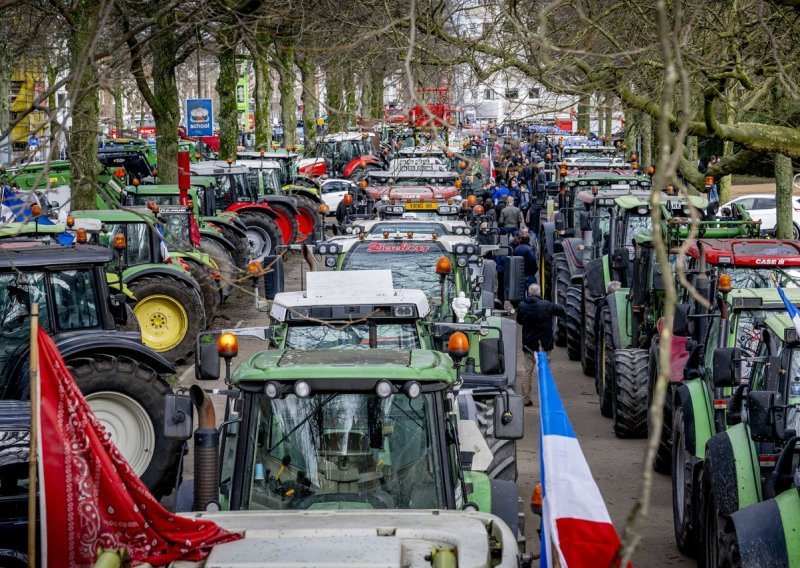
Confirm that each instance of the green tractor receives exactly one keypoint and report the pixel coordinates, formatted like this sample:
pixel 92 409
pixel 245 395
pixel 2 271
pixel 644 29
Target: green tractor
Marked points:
pixel 631 216
pixel 123 381
pixel 339 429
pixel 451 272
pixel 169 301
pixel 736 275
pixel 628 318
pixel 586 235
pixel 750 486
pixel 222 237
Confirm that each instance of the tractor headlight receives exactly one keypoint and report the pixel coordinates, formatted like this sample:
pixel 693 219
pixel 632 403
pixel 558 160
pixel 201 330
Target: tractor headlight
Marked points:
pixel 349 230
pixel 459 249
pixel 384 389
pixel 330 261
pixel 461 261
pixel 412 389
pixel 302 389
pixel 323 249
pixel 273 389
pixel 470 249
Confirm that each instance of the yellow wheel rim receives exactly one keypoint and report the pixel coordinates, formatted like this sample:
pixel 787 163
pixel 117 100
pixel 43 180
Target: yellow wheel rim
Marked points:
pixel 163 322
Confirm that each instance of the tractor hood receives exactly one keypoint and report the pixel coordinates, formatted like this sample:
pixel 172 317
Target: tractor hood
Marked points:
pixel 391 539
pixel 414 193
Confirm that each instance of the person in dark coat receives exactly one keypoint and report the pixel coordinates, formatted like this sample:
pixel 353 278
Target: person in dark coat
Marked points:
pixel 535 315
pixel 524 248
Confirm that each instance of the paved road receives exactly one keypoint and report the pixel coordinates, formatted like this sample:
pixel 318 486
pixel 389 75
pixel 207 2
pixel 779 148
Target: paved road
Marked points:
pixel 616 464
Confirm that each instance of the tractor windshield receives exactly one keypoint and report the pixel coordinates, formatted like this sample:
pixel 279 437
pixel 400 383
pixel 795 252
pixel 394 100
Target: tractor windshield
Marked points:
pixel 344 451
pixel 352 336
pixel 233 188
pixel 267 180
pixel 157 199
pixel 18 291
pixel 748 336
pixel 413 265
pixel 794 390
pixel 636 224
pixel 176 231
pixel 137 235
pixel 748 277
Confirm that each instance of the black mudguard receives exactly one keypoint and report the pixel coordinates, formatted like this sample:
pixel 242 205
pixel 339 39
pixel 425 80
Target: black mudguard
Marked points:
pixel 758 534
pixel 594 279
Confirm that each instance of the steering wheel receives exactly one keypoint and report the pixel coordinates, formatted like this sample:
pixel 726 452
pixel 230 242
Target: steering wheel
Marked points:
pixel 369 498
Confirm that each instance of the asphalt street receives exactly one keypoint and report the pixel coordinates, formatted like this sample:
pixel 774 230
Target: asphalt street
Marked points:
pixel 616 464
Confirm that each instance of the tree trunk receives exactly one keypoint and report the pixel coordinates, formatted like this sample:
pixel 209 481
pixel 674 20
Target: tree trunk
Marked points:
pixel 308 78
pixel 366 94
pixel 118 121
pixel 725 182
pixel 52 104
pixel 226 90
pixel 333 99
pixel 646 156
pixel 376 77
pixel 85 108
pixel 262 94
pixel 287 76
pixel 350 96
pixel 783 196
pixel 166 111
pixel 584 113
pixel 609 117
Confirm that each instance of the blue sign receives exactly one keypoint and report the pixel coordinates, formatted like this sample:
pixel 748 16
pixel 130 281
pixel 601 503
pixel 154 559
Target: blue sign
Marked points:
pixel 199 117
pixel 33 142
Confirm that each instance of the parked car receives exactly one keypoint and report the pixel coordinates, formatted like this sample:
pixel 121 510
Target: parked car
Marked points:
pixel 762 207
pixel 333 190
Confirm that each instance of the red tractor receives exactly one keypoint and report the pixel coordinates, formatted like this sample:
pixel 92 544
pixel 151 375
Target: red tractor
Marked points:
pixel 431 114
pixel 349 155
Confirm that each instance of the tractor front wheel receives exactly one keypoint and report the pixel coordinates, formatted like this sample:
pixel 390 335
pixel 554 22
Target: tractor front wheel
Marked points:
pixel 573 323
pixel 209 288
pixel 560 285
pixel 604 366
pixel 629 400
pixel 170 315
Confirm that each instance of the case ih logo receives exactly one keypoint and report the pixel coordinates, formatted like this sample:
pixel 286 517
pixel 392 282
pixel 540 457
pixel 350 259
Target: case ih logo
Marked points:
pixel 404 247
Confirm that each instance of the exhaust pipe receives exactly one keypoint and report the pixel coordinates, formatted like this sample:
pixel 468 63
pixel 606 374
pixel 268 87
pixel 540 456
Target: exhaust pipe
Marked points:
pixel 206 453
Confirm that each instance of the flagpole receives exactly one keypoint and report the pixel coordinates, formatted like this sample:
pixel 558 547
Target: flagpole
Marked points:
pixel 34 398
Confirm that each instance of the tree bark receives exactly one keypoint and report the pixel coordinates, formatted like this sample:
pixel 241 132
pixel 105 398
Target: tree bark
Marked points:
pixel 376 77
pixel 259 50
pixel 783 196
pixel 308 78
pixel 646 156
pixel 334 100
pixel 725 182
pixel 584 113
pixel 350 96
pixel 609 112
pixel 85 108
pixel 166 110
pixel 286 73
pixel 226 90
pixel 118 120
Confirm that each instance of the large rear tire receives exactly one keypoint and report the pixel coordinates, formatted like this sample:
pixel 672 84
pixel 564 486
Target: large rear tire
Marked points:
pixel 588 346
pixel 286 222
pixel 225 262
pixel 560 285
pixel 629 400
pixel 263 234
pixel 663 461
pixel 604 366
pixel 573 323
pixel 684 487
pixel 209 289
pixel 128 399
pixel 170 315
pixel 241 247
pixel 307 218
pixel 504 452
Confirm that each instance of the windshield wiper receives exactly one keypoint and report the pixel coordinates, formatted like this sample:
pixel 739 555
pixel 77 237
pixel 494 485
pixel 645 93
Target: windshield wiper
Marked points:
pixel 303 421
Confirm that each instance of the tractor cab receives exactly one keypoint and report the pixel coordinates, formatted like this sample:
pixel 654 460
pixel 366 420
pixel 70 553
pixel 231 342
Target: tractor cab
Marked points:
pixel 348 155
pixel 127 164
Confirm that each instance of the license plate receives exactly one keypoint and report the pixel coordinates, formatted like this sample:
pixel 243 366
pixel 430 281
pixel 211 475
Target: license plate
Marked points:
pixel 421 206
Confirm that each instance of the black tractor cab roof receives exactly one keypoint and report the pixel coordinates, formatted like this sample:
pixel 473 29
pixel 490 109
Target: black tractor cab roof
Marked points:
pixel 32 253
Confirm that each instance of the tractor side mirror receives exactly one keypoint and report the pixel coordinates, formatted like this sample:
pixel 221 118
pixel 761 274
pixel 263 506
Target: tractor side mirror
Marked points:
pixel 206 358
pixel 178 423
pixel 558 221
pixel 509 423
pixel 763 408
pixel 680 323
pixel 118 308
pixel 514 278
pixel 658 279
pixel 585 221
pixel 726 370
pixel 621 258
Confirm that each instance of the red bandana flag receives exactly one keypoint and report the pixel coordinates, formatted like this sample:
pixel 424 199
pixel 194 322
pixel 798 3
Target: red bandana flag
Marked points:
pixel 89 495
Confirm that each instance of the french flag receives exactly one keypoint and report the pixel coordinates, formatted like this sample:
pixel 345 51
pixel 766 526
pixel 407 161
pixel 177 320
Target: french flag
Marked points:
pixel 576 526
pixel 793 313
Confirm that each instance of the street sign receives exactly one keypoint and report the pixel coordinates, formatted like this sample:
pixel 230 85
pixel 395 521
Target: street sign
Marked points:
pixel 33 142
pixel 199 117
